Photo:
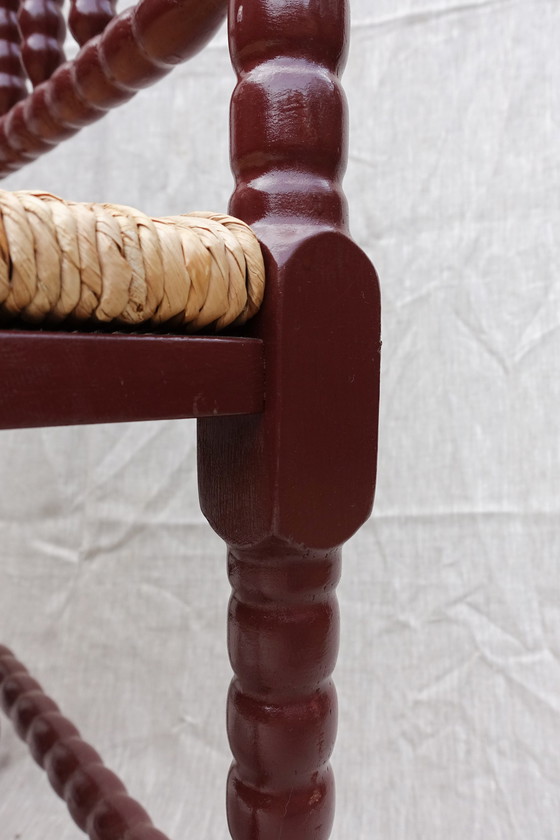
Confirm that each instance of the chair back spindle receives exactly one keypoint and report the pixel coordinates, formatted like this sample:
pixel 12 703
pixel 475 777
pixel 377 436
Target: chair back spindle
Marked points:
pixel 88 18
pixel 12 75
pixel 134 49
pixel 43 30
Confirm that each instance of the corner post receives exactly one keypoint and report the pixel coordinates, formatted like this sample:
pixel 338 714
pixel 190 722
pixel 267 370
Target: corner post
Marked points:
pixel 287 488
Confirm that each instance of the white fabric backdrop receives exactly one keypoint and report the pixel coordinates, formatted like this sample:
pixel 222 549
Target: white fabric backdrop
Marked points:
pixel 112 587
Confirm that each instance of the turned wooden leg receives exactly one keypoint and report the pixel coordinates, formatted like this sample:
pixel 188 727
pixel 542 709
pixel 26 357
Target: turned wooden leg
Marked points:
pixel 283 641
pixel 286 488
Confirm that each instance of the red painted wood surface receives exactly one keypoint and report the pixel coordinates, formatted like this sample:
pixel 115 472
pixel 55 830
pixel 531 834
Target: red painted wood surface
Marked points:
pixel 57 379
pixel 285 489
pixel 43 30
pixel 138 47
pixel 282 711
pixel 88 18
pixel 12 75
pixel 96 798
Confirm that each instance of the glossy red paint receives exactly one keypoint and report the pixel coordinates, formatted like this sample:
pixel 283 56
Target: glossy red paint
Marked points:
pixel 43 30
pixel 88 18
pixel 12 76
pixel 58 379
pixel 285 489
pixel 137 47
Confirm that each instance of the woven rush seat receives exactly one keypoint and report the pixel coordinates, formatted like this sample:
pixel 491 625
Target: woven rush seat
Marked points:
pixel 108 264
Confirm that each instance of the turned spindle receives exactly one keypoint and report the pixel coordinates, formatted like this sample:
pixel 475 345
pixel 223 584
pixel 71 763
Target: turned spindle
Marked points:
pixel 88 18
pixel 96 798
pixel 283 642
pixel 137 47
pixel 12 75
pixel 43 30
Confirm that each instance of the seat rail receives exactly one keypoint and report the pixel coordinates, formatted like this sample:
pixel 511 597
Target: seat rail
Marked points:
pixel 60 379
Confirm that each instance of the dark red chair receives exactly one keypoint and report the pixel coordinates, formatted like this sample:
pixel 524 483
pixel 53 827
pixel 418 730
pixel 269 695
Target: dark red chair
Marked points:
pixel 287 411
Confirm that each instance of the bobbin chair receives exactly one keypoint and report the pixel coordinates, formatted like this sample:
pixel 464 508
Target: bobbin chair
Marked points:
pixel 286 404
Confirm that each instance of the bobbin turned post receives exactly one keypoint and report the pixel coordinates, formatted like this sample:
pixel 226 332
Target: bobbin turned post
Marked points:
pixel 287 488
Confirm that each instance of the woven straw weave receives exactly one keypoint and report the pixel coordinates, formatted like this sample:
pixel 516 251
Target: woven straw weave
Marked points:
pixel 62 261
